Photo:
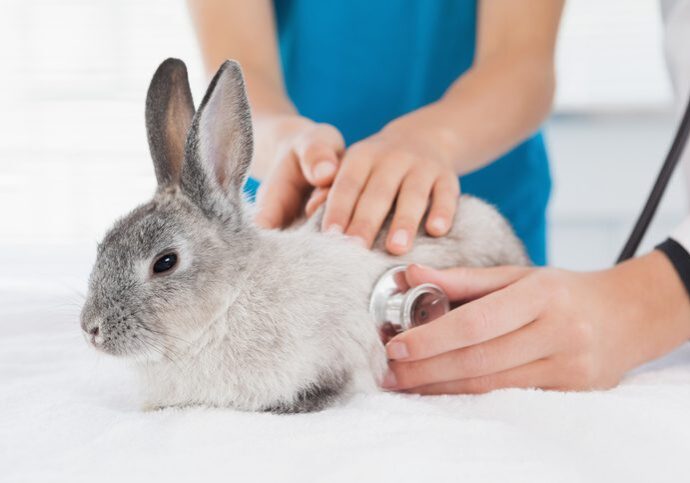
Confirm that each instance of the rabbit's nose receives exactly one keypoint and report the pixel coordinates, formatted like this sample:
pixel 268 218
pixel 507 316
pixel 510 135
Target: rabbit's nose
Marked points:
pixel 92 331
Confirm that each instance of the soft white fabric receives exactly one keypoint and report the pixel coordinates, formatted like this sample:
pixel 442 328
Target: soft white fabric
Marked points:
pixel 68 414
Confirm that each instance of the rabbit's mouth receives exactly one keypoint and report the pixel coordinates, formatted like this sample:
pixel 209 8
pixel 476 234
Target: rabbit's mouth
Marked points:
pixel 112 341
pixel 92 331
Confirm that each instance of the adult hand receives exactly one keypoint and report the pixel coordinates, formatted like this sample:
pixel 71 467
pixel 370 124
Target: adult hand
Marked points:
pixel 305 156
pixel 541 328
pixel 399 165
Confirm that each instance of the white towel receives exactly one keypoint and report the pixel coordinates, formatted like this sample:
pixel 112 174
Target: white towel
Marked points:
pixel 68 414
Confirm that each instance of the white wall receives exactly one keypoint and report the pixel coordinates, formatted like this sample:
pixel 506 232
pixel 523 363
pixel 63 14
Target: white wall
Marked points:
pixel 610 57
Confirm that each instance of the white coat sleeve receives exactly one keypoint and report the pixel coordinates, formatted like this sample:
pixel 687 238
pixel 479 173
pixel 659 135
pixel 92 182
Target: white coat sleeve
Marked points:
pixel 676 15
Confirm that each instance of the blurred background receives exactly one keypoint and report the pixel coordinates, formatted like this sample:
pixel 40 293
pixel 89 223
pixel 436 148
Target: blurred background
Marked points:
pixel 73 152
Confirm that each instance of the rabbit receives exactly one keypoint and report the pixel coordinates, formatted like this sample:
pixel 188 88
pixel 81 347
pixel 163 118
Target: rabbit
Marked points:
pixel 212 310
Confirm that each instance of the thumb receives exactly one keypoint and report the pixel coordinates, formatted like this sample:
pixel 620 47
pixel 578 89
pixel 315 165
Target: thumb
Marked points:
pixel 280 196
pixel 318 152
pixel 465 283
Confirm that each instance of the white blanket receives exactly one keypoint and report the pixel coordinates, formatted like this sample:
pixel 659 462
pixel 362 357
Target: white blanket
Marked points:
pixel 68 414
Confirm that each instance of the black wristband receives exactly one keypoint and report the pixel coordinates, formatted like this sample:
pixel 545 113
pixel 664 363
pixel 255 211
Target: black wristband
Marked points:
pixel 680 259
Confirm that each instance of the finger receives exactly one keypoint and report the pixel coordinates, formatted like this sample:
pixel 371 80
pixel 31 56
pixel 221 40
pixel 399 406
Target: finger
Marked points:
pixel 486 318
pixel 317 198
pixel 466 283
pixel 410 206
pixel 318 151
pixel 346 189
pixel 376 201
pixel 536 374
pixel 280 196
pixel 444 203
pixel 532 342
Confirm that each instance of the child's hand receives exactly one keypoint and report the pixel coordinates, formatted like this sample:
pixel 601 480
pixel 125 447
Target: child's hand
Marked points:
pixel 400 166
pixel 304 156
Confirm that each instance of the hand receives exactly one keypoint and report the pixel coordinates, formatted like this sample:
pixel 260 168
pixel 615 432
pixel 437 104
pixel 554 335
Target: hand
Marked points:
pixel 541 328
pixel 303 155
pixel 398 165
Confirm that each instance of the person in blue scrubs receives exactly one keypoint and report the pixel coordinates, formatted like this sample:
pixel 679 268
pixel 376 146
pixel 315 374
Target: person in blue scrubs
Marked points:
pixel 372 106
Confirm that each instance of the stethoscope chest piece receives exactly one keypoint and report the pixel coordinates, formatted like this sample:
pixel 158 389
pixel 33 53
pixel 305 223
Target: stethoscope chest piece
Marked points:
pixel 397 307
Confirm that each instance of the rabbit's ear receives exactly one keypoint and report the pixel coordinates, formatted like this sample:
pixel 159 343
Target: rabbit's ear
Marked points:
pixel 219 147
pixel 169 113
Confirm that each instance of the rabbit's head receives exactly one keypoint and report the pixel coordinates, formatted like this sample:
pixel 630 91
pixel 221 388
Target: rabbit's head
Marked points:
pixel 166 269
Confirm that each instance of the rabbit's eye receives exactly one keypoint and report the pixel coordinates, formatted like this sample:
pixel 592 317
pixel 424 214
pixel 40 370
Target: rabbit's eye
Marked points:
pixel 165 263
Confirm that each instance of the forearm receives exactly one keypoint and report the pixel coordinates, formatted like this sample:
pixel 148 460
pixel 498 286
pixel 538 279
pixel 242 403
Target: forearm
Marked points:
pixel 506 94
pixel 490 109
pixel 243 31
pixel 246 32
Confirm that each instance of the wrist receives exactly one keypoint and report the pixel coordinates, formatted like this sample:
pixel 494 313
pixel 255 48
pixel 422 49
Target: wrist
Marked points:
pixel 429 127
pixel 279 124
pixel 266 94
pixel 273 134
pixel 652 305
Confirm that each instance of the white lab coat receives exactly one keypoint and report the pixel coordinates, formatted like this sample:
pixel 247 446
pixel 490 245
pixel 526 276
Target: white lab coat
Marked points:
pixel 676 14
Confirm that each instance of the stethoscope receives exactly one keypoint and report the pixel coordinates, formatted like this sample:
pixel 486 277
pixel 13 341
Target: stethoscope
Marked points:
pixel 397 307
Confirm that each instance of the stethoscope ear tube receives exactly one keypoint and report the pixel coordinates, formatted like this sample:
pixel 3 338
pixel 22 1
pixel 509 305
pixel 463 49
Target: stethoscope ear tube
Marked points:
pixel 662 179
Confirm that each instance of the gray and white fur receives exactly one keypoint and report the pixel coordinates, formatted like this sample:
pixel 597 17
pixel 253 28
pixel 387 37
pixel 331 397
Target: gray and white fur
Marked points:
pixel 248 318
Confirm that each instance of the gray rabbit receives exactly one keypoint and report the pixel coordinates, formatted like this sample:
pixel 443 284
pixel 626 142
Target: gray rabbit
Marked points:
pixel 215 311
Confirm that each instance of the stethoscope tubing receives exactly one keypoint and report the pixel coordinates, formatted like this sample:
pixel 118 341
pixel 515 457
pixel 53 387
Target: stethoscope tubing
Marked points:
pixel 647 214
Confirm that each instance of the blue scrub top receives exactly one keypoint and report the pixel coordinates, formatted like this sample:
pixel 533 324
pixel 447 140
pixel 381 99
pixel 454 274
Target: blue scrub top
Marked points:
pixel 358 64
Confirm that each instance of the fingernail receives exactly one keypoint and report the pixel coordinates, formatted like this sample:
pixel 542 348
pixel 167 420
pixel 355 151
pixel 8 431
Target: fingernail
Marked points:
pixel 400 238
pixel 323 169
pixel 420 266
pixel 439 225
pixel 397 350
pixel 389 380
pixel 334 228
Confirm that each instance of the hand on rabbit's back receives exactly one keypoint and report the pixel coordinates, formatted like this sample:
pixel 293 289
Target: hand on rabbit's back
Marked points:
pixel 479 237
pixel 212 310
